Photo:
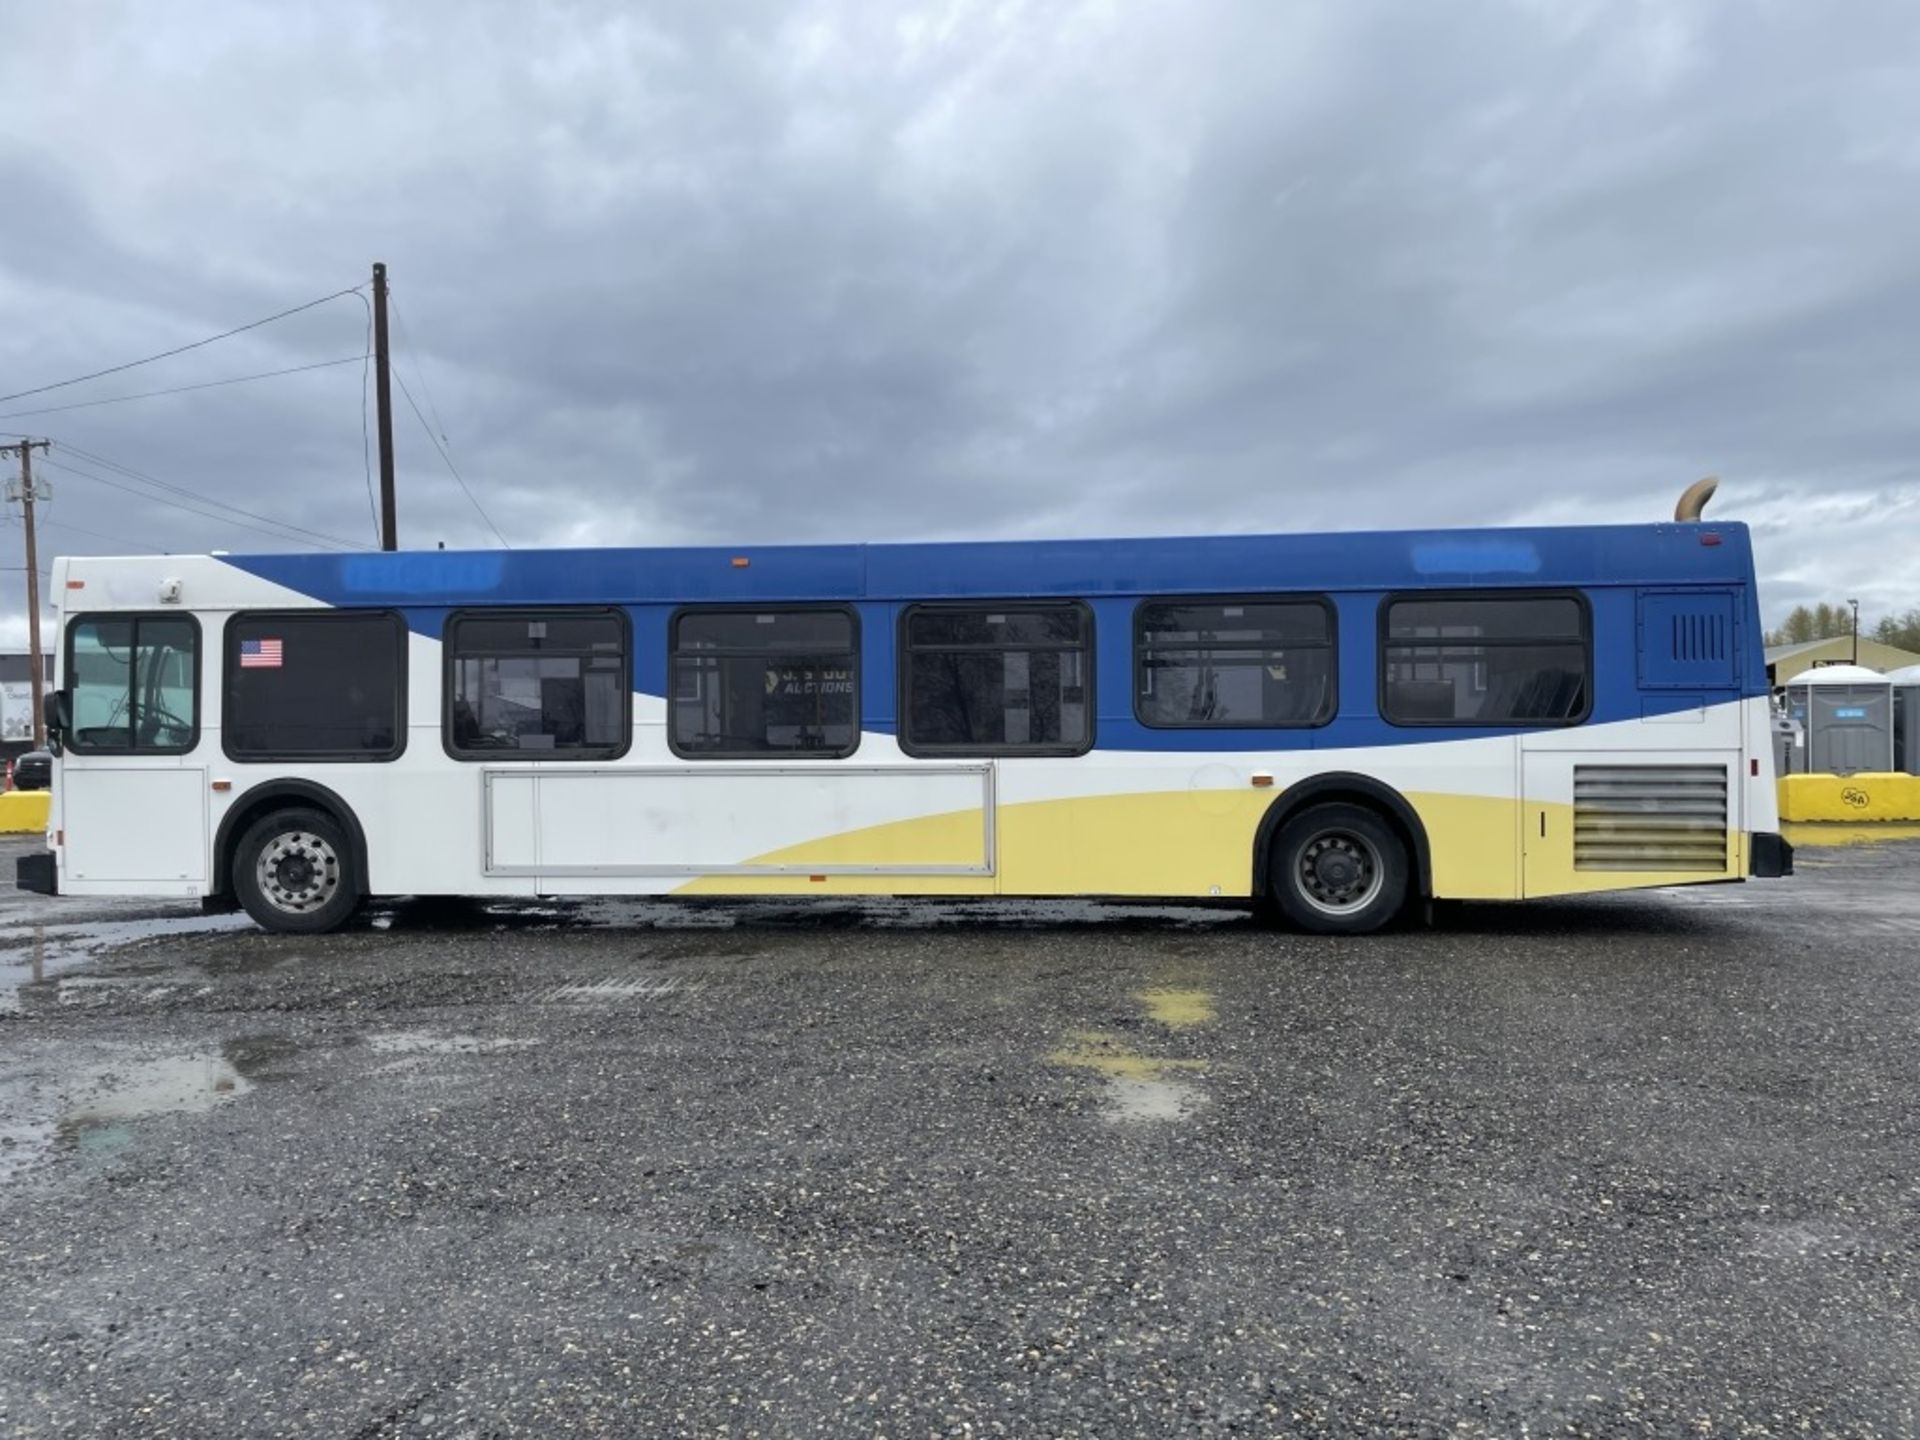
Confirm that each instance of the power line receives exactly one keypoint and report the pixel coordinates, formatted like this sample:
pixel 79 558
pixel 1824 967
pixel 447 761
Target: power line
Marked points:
pixel 452 469
pixel 129 471
pixel 191 509
pixel 419 370
pixel 196 503
pixel 182 389
pixel 132 547
pixel 178 349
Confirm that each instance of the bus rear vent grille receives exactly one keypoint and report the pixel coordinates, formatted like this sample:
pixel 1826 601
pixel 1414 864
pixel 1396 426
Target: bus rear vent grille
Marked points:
pixel 1650 817
pixel 1699 639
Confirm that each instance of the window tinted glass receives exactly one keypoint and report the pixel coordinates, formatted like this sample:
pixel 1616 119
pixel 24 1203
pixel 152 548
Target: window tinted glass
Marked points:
pixel 998 681
pixel 758 631
pixel 326 684
pixel 133 683
pixel 996 629
pixel 1232 663
pixel 1513 660
pixel 771 682
pixel 1519 617
pixel 538 684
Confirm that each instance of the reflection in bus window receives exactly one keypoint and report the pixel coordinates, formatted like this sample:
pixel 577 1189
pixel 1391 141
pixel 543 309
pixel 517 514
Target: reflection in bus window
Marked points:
pixel 765 682
pixel 540 683
pixel 1253 663
pixel 1485 660
pixel 997 680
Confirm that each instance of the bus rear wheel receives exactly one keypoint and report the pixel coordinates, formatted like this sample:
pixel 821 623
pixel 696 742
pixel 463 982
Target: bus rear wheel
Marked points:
pixel 1338 870
pixel 293 871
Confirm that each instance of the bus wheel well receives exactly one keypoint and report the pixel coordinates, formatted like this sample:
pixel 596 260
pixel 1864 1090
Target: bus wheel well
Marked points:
pixel 1341 787
pixel 274 795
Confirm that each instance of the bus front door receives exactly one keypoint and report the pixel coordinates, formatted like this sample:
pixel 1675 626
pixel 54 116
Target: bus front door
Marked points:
pixel 130 805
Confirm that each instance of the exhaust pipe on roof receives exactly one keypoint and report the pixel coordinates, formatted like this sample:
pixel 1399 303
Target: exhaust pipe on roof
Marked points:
pixel 1694 499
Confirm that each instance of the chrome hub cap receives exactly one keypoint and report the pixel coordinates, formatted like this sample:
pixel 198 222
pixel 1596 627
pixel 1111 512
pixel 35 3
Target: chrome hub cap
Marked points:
pixel 298 872
pixel 1339 872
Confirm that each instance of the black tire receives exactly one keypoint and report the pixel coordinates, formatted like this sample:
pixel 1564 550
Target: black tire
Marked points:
pixel 1338 870
pixel 294 872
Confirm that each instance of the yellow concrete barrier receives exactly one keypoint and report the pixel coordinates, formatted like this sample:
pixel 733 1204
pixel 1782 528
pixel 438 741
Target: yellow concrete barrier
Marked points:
pixel 24 812
pixel 1866 796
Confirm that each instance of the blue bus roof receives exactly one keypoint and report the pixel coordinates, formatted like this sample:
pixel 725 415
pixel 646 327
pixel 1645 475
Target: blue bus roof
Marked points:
pixel 1594 555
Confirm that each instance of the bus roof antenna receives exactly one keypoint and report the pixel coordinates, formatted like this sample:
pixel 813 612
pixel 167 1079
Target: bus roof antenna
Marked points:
pixel 1694 498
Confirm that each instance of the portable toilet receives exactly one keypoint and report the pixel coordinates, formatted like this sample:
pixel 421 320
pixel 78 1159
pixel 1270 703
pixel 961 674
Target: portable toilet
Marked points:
pixel 1788 743
pixel 1846 714
pixel 1906 718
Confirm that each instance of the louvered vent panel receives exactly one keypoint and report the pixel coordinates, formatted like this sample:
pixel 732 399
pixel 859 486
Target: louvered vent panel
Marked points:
pixel 1699 639
pixel 1650 817
pixel 1688 640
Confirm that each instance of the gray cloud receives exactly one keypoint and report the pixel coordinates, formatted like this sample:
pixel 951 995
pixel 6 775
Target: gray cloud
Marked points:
pixel 856 272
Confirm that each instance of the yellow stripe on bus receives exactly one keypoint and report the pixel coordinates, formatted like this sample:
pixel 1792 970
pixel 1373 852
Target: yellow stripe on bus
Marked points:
pixel 1185 844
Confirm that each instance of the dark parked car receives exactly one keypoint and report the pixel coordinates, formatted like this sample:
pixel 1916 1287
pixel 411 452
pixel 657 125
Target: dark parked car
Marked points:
pixel 33 770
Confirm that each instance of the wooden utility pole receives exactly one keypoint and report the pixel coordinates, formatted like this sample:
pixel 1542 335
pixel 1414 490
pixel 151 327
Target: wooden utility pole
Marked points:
pixel 25 449
pixel 383 395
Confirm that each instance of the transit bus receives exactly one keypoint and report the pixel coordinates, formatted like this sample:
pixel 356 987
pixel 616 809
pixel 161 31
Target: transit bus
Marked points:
pixel 1339 727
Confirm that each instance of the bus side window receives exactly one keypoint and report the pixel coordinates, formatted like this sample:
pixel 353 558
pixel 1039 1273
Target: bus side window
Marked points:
pixel 548 683
pixel 766 681
pixel 1486 659
pixel 997 679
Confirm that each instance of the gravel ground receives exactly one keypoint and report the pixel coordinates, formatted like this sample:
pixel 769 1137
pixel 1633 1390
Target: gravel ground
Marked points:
pixel 1639 1164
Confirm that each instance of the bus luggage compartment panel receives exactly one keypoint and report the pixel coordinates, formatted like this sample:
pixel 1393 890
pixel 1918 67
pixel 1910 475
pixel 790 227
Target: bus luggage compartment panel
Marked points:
pixel 741 819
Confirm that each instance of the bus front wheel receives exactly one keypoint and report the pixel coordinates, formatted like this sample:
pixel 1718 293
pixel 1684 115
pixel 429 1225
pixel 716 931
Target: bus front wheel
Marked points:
pixel 293 871
pixel 1339 870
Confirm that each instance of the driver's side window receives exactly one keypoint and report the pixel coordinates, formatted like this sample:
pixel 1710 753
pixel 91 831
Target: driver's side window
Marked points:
pixel 133 683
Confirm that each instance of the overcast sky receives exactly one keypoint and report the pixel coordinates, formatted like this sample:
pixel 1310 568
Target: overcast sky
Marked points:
pixel 765 272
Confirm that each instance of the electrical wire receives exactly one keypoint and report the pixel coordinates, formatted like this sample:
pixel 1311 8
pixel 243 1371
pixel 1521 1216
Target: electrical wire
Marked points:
pixel 452 469
pixel 130 472
pixel 178 349
pixel 189 508
pixel 132 547
pixel 182 389
pixel 198 504
pixel 419 369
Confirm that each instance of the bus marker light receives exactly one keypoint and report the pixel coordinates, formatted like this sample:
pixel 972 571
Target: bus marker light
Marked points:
pixel 1753 767
pixel 76 584
pixel 223 785
pixel 1261 780
pixel 741 562
pixel 817 879
pixel 1708 537
pixel 59 838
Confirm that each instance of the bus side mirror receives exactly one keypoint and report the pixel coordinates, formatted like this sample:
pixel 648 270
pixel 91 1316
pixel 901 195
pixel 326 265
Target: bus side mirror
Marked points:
pixel 58 715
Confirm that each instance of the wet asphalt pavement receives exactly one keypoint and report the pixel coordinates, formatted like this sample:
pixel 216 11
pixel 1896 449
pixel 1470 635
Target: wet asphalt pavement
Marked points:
pixel 1635 1165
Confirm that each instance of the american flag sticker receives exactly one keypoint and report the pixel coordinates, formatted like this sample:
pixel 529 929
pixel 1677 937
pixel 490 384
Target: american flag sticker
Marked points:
pixel 259 654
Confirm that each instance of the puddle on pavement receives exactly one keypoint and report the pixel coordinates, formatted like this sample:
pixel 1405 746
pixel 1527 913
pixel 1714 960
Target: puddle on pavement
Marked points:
pixel 1139 1087
pixel 127 1090
pixel 92 1115
pixel 1150 1099
pixel 33 954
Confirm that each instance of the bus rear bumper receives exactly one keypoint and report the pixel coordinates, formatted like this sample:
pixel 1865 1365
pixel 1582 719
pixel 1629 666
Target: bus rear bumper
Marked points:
pixel 1771 857
pixel 37 873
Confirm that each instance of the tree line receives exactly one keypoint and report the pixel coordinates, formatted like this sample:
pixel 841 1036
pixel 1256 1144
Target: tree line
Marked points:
pixel 1826 622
